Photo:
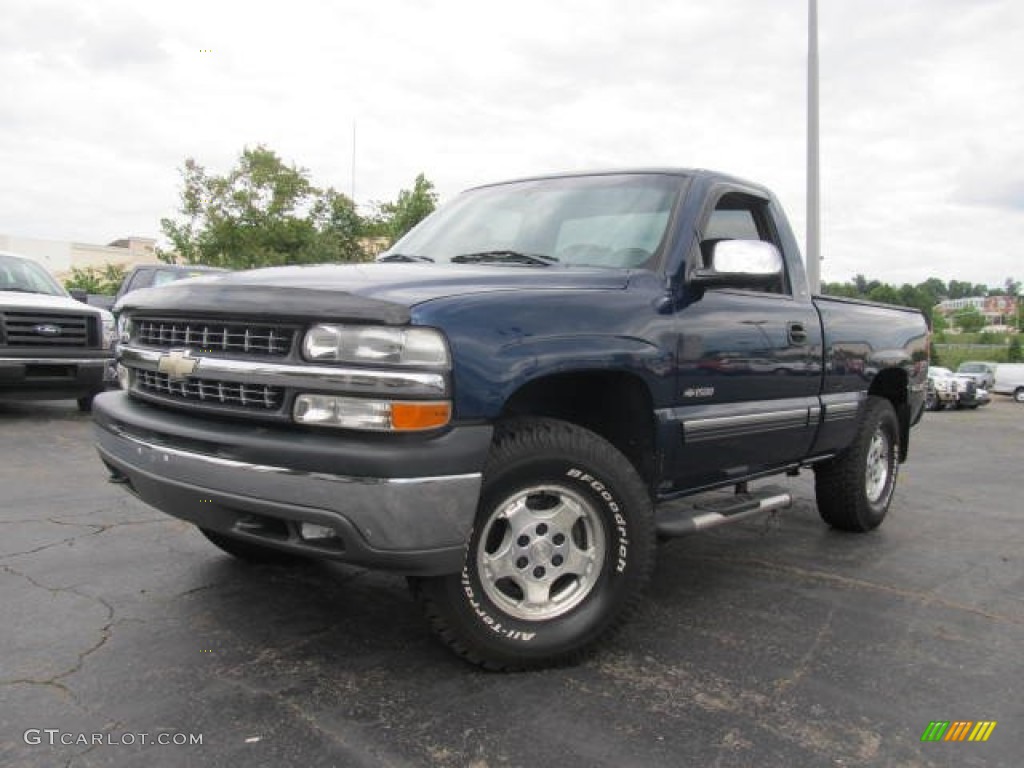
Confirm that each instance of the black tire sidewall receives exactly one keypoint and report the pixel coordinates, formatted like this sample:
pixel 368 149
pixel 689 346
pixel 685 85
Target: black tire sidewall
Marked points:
pixel 883 418
pixel 628 533
pixel 841 483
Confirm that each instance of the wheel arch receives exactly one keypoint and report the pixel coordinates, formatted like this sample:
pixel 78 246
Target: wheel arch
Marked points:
pixel 617 406
pixel 892 384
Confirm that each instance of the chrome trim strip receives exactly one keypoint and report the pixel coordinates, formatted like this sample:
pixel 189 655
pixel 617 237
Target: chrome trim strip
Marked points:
pixel 753 423
pixel 284 471
pixel 316 378
pixel 841 411
pixel 58 360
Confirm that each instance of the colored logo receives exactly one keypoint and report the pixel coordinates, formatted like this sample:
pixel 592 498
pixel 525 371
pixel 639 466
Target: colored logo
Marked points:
pixel 958 730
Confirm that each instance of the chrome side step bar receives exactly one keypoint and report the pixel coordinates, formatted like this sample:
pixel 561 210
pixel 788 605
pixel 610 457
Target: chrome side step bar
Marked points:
pixel 673 521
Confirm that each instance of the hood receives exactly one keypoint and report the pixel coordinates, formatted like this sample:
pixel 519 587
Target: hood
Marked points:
pixel 19 300
pixel 372 292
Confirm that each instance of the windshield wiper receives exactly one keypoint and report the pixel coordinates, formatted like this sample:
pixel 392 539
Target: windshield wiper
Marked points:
pixel 514 257
pixel 404 257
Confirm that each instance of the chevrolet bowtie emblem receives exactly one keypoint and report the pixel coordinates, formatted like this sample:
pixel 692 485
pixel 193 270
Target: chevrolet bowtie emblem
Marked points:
pixel 178 364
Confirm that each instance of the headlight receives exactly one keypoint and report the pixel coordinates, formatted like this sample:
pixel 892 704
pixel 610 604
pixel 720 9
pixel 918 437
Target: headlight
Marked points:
pixel 374 415
pixel 375 344
pixel 124 329
pixel 109 330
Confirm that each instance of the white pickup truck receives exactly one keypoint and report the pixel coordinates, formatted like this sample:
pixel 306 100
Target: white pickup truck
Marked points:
pixel 51 346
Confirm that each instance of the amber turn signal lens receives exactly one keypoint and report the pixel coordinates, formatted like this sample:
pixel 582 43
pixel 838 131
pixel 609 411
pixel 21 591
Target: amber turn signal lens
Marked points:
pixel 416 416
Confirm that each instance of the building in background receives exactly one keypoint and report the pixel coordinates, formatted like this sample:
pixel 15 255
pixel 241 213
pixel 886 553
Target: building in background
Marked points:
pixel 998 311
pixel 60 256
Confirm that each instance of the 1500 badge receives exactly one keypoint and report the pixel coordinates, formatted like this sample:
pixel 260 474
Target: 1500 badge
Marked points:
pixel 699 392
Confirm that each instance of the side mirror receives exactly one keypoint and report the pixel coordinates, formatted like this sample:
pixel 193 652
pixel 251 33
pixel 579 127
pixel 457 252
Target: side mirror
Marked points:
pixel 78 294
pixel 739 264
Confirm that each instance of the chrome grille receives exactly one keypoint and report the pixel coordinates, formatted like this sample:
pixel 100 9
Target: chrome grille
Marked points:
pixel 36 329
pixel 256 397
pixel 214 336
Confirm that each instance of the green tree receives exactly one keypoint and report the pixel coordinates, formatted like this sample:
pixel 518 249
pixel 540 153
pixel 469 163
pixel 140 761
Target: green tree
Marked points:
pixel 969 320
pixel 261 213
pixel 885 294
pixel 959 289
pixel 105 280
pixel 411 207
pixel 935 289
pixel 1013 353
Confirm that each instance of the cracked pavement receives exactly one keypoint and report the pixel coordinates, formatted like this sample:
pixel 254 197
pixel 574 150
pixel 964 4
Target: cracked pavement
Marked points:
pixel 772 642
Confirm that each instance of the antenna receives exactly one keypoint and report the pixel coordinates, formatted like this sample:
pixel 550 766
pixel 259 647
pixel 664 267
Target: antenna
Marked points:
pixel 353 195
pixel 813 171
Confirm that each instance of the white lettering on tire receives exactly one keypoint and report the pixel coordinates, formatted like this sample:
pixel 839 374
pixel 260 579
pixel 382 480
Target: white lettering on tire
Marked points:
pixel 488 620
pixel 621 529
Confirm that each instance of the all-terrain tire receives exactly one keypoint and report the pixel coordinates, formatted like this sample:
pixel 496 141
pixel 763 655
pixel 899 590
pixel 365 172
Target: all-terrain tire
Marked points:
pixel 561 551
pixel 854 489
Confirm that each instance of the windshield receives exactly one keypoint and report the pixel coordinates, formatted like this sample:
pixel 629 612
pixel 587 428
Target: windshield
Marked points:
pixel 616 221
pixel 165 276
pixel 24 276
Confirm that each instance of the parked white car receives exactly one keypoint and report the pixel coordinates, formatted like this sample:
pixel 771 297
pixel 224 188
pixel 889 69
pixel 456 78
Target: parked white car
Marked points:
pixel 1010 380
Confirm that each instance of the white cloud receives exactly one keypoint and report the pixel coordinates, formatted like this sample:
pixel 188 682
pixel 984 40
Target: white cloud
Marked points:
pixel 921 108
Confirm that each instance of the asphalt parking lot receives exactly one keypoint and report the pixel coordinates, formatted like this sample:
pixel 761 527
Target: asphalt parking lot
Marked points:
pixel 775 642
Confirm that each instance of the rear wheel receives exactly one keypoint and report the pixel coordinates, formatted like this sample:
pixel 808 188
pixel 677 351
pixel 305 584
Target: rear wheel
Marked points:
pixel 1018 394
pixel 854 489
pixel 562 548
pixel 249 551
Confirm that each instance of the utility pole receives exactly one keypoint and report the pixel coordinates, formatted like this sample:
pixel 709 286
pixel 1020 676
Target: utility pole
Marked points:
pixel 813 173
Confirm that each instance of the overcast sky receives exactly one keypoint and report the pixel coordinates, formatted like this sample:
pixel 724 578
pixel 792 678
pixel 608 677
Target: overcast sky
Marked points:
pixel 922 108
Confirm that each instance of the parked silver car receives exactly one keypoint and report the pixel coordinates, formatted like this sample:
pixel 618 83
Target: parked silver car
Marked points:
pixel 983 373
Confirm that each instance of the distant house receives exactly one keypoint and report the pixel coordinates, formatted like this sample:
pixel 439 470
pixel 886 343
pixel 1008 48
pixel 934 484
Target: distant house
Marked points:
pixel 997 310
pixel 61 256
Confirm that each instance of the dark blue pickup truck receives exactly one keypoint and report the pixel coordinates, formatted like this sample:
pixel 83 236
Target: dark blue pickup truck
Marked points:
pixel 504 405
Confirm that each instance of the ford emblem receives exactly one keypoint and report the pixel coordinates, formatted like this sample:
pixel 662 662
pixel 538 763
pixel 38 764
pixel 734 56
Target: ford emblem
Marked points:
pixel 48 329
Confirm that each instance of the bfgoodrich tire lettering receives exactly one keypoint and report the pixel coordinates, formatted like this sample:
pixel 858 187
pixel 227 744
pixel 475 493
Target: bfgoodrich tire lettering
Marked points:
pixel 854 489
pixel 562 548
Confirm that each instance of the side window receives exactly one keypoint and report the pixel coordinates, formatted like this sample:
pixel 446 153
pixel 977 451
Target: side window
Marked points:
pixel 741 217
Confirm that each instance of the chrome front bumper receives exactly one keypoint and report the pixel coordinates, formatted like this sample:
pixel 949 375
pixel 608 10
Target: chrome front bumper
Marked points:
pixel 411 524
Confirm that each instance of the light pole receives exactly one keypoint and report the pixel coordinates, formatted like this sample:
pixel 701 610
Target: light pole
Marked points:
pixel 813 180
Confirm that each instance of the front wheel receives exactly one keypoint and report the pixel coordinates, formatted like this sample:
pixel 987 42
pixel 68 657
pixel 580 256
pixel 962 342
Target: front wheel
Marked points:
pixel 561 551
pixel 854 489
pixel 1018 394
